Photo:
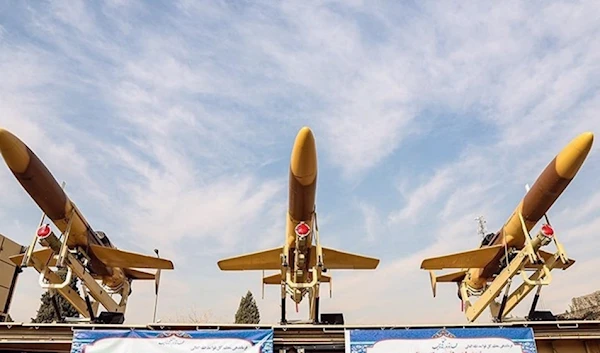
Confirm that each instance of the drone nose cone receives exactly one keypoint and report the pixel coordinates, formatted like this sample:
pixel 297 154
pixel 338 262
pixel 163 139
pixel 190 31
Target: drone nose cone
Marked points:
pixel 13 151
pixel 304 157
pixel 571 158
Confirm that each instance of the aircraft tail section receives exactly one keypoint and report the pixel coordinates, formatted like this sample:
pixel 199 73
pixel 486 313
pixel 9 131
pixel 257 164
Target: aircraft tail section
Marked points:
pixel 273 279
pixel 276 279
pixel 47 256
pixel 262 260
pixel 449 277
pixel 477 258
pixel 141 275
pixel 339 260
pixel 44 255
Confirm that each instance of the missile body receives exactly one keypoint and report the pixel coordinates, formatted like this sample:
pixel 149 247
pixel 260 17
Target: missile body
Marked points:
pixel 45 191
pixel 302 189
pixel 545 191
pixel 302 182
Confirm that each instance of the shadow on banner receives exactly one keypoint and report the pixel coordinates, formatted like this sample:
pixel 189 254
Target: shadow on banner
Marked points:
pixel 463 340
pixel 149 341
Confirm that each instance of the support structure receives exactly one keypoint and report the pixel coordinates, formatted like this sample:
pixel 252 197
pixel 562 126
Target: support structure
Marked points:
pixel 526 287
pixel 51 281
pixel 56 255
pixel 9 274
pixel 529 258
pixel 300 260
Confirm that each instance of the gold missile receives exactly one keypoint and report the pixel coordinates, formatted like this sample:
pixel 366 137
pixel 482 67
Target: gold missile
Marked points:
pixel 547 188
pixel 302 182
pixel 43 188
pixel 545 191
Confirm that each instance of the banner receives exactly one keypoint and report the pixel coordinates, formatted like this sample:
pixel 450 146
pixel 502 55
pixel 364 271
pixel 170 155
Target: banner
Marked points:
pixel 149 341
pixel 451 340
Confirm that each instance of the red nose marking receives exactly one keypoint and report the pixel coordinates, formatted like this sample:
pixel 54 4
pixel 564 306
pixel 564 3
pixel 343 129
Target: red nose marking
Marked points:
pixel 547 230
pixel 43 231
pixel 302 229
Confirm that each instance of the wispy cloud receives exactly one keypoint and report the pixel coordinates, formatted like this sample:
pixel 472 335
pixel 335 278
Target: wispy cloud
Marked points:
pixel 422 196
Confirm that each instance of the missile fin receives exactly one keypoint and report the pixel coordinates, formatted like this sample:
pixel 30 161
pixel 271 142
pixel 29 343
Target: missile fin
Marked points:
pixel 136 274
pixel 262 260
pixel 452 277
pixel 477 258
pixel 112 257
pixel 273 279
pixel 339 260
pixel 44 255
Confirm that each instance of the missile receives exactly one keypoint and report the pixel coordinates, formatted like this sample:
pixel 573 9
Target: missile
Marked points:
pixel 545 191
pixel 547 188
pixel 302 190
pixel 43 188
pixel 299 261
pixel 302 186
pixel 45 191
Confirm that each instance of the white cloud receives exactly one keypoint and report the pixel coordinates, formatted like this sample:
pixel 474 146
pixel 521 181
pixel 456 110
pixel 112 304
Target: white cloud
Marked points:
pixel 372 226
pixel 422 196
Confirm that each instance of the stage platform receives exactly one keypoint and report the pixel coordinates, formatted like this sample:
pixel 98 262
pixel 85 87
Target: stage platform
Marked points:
pixel 554 336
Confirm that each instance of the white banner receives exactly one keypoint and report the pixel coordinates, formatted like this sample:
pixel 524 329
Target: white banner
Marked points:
pixel 147 341
pixel 442 340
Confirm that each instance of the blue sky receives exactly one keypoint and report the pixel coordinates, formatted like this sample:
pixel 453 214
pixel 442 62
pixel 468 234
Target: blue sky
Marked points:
pixel 172 124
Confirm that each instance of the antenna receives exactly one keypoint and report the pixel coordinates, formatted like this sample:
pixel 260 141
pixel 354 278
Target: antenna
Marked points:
pixel 156 283
pixel 481 230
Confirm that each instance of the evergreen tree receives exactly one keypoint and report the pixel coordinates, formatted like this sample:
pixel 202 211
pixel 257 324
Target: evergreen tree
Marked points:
pixel 247 312
pixel 46 313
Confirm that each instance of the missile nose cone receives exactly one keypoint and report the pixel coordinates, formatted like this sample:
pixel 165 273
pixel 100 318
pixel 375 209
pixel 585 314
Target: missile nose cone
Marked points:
pixel 303 162
pixel 570 159
pixel 13 151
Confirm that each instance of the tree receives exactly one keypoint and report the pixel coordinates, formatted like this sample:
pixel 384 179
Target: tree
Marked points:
pixel 247 312
pixel 46 313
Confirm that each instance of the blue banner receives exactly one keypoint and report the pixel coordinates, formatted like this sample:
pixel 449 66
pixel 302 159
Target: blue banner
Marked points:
pixel 451 340
pixel 149 341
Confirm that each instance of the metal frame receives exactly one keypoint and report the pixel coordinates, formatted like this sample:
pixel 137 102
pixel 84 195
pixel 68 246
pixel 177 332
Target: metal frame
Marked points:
pixel 52 282
pixel 313 287
pixel 64 258
pixel 540 277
